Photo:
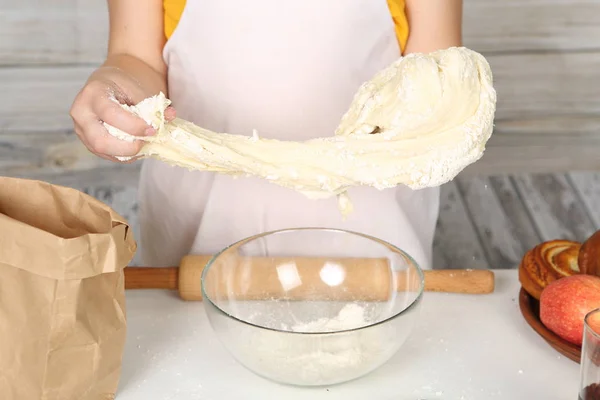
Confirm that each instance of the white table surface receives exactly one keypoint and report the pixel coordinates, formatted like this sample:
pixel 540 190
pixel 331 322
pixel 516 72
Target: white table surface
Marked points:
pixel 464 347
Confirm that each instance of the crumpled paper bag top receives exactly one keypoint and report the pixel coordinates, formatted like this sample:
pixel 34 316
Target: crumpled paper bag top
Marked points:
pixel 52 217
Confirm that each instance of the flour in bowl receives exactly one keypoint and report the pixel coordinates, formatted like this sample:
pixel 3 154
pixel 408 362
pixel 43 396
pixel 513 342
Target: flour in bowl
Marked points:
pixel 350 317
pixel 301 358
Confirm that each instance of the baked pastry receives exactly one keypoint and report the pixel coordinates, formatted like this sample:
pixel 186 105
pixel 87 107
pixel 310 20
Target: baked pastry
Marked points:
pixel 546 263
pixel 589 255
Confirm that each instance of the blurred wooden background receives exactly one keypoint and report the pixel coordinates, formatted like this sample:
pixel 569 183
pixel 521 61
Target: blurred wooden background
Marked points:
pixel 537 180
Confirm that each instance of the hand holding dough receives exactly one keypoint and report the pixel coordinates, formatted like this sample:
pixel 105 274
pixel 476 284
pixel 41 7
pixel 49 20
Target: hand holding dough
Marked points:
pixel 418 122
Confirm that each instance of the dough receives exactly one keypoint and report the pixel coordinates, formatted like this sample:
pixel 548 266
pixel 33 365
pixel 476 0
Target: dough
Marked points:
pixel 418 122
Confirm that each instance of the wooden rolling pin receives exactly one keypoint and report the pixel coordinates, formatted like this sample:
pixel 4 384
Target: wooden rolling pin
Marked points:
pixel 372 283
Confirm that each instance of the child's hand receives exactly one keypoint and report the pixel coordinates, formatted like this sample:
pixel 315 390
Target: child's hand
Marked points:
pixel 95 104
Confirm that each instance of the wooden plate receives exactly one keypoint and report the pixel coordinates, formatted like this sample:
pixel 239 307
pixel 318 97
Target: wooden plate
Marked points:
pixel 530 308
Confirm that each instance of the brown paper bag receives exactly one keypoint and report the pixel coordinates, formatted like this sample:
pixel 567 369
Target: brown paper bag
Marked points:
pixel 62 296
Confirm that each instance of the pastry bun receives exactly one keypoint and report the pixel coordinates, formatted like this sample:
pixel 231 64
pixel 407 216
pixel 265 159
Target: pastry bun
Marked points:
pixel 548 262
pixel 589 255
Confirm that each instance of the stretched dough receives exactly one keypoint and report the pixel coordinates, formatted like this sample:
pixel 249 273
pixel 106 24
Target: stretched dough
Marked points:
pixel 418 122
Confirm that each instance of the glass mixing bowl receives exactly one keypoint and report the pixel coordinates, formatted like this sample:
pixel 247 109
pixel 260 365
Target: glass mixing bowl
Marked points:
pixel 312 306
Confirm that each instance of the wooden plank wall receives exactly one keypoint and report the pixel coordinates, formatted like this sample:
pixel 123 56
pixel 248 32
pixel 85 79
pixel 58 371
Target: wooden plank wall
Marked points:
pixel 545 55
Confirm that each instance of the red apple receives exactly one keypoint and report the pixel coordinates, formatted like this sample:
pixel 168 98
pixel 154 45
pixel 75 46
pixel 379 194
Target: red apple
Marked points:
pixel 565 302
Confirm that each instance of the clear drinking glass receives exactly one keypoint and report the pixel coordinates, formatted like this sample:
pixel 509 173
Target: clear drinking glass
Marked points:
pixel 590 357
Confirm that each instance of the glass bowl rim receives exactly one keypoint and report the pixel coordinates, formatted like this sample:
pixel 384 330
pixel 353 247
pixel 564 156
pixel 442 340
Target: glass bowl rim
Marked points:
pixel 410 306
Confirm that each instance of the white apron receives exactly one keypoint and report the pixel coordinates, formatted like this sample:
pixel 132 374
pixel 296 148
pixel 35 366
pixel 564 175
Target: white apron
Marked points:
pixel 288 69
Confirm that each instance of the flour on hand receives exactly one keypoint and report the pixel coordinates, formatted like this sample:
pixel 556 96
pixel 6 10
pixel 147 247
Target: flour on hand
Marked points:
pixel 419 122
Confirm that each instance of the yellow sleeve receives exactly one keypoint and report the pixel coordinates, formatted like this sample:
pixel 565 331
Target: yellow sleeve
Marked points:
pixel 398 11
pixel 174 8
